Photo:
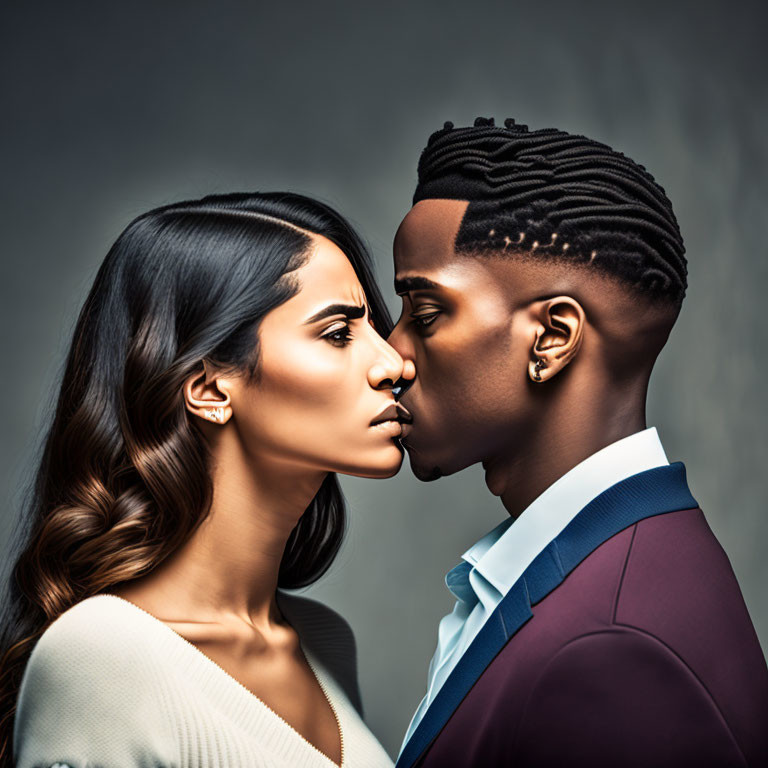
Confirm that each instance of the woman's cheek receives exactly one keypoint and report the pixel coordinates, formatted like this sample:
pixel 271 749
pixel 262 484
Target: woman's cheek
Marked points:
pixel 311 369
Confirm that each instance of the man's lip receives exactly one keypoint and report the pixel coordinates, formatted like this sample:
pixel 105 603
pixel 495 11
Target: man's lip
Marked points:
pixel 393 412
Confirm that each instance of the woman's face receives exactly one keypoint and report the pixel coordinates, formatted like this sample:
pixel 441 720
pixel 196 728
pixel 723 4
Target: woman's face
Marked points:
pixel 325 378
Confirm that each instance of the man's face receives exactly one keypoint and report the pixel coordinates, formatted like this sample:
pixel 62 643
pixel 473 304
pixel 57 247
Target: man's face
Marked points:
pixel 460 326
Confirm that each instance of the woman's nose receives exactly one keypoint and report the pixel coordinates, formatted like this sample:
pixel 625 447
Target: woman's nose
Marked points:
pixel 398 339
pixel 398 342
pixel 388 367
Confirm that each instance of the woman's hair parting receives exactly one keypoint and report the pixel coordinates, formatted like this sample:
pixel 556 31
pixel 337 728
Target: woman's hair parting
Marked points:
pixel 553 195
pixel 123 478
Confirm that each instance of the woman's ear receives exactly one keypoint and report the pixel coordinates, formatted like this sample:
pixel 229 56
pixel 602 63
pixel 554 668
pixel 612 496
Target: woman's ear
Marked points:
pixel 206 395
pixel 559 323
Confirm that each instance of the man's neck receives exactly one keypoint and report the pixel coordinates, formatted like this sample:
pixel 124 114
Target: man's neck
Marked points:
pixel 526 470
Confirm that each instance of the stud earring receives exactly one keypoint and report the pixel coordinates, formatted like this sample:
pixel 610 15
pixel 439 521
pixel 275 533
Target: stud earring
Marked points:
pixel 215 414
pixel 537 369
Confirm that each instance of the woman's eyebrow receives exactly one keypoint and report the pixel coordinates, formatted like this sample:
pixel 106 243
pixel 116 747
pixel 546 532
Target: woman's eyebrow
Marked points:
pixel 350 311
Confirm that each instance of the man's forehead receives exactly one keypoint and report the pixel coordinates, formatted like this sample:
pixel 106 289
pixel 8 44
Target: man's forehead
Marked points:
pixel 426 236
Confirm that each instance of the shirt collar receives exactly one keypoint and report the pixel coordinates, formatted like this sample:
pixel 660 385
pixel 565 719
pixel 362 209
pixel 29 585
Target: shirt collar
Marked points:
pixel 502 555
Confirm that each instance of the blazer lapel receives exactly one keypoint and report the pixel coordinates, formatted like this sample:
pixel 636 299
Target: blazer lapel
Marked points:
pixel 653 492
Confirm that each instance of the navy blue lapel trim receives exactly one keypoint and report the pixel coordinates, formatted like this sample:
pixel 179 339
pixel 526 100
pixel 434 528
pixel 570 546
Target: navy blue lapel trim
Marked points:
pixel 653 492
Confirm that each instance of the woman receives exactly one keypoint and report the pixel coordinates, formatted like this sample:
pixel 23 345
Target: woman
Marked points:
pixel 226 364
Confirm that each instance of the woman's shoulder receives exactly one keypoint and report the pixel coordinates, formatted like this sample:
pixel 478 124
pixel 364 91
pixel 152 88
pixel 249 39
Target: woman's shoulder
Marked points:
pixel 316 618
pixel 93 629
pixel 327 636
pixel 92 674
pixel 322 631
pixel 96 650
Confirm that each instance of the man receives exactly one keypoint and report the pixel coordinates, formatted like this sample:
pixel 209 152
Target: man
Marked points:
pixel 601 624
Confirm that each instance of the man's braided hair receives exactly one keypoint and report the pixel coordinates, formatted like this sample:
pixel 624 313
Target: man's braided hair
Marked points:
pixel 554 195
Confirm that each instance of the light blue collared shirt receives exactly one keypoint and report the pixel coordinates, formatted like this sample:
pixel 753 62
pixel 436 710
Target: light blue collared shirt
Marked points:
pixel 490 568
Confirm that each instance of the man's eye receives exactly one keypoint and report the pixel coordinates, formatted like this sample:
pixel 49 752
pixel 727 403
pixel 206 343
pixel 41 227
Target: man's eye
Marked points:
pixel 339 337
pixel 424 319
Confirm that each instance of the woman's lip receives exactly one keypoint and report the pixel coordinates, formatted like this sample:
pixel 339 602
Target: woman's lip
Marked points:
pixel 390 427
pixel 393 412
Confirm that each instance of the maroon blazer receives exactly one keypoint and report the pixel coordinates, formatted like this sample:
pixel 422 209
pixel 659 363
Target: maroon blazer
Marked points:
pixel 625 645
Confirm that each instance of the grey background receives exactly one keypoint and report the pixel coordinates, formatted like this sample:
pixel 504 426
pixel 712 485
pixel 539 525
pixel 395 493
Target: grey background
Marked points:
pixel 109 109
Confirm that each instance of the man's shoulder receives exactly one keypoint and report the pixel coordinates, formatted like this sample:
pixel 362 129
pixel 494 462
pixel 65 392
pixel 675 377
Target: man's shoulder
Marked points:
pixel 676 567
pixel 654 608
pixel 666 576
pixel 663 572
pixel 675 600
pixel 666 564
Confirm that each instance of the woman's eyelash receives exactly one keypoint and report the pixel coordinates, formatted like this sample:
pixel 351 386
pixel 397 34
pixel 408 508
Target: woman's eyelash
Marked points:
pixel 339 337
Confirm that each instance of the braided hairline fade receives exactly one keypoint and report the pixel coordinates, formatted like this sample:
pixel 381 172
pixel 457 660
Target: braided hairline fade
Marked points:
pixel 558 196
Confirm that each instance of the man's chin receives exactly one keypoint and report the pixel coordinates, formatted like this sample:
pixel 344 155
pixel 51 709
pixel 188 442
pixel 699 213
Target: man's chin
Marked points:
pixel 428 465
pixel 423 469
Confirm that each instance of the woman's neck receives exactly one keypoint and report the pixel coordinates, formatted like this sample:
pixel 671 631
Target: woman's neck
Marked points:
pixel 228 569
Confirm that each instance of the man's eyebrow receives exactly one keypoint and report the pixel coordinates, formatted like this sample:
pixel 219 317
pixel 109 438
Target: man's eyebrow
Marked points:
pixel 405 284
pixel 350 311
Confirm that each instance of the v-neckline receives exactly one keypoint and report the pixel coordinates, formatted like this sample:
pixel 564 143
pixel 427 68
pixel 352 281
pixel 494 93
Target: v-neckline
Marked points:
pixel 232 679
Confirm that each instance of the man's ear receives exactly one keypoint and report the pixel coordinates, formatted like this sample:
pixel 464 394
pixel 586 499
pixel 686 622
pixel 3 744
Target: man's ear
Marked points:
pixel 559 324
pixel 206 395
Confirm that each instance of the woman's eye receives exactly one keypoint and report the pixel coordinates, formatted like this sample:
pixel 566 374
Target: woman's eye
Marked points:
pixel 339 337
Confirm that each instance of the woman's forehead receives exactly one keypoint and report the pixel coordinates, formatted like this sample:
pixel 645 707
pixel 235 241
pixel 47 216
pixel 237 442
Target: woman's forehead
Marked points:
pixel 327 277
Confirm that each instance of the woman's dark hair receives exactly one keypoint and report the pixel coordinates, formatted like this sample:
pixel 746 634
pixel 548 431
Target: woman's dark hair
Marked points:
pixel 123 478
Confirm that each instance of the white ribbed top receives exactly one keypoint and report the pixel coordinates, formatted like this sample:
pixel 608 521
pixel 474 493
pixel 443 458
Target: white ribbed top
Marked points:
pixel 110 685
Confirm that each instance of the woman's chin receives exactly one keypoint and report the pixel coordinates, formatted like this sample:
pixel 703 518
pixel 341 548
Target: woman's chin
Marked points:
pixel 386 464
